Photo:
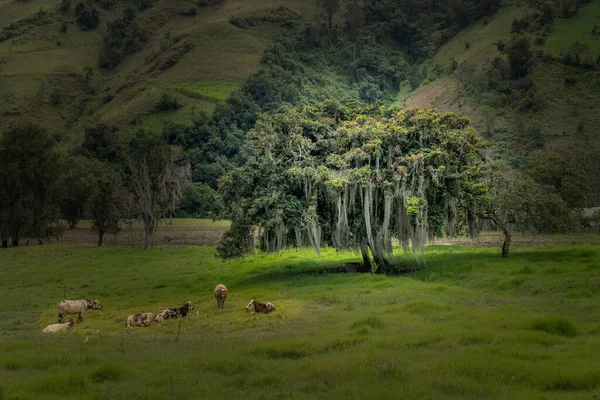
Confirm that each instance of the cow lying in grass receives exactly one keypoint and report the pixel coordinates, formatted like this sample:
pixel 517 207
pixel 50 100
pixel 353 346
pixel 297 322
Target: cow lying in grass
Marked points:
pixel 79 306
pixel 174 313
pixel 144 319
pixel 59 327
pixel 220 295
pixel 260 307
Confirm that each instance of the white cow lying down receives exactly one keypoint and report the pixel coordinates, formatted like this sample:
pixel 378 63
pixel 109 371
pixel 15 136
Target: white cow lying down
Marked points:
pixel 59 327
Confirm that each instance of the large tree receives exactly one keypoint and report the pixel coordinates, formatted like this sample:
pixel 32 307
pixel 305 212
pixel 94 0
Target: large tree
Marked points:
pixel 355 177
pixel 29 193
pixel 156 180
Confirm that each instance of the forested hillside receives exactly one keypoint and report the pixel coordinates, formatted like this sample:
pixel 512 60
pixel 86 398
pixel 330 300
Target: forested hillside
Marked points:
pixel 200 73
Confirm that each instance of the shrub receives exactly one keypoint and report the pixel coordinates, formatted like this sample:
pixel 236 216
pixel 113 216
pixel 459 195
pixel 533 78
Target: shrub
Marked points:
pixel 168 103
pixel 579 55
pixel 107 373
pixel 65 6
pixel 107 4
pixel 123 37
pixel 187 12
pixel 64 27
pixel 145 5
pixel 87 17
pixel 57 97
pixel 555 326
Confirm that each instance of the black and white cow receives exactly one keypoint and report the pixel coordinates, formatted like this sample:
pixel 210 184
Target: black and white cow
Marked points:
pixel 174 313
pixel 79 306
pixel 260 307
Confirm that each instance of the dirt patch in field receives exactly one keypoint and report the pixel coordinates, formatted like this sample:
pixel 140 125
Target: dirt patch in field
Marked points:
pixel 176 237
pixel 495 239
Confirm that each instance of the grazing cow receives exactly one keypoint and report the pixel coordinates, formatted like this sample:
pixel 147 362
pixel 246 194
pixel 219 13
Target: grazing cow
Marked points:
pixel 260 307
pixel 144 319
pixel 79 306
pixel 174 313
pixel 220 295
pixel 59 327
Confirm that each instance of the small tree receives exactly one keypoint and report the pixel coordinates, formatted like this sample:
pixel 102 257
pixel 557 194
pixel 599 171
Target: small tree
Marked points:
pixel 520 57
pixel 104 204
pixel 517 201
pixel 509 201
pixel 155 180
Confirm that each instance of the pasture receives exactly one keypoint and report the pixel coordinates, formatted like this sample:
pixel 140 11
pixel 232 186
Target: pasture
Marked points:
pixel 469 326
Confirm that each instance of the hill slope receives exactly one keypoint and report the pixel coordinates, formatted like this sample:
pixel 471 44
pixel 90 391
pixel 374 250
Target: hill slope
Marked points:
pixel 564 121
pixel 200 59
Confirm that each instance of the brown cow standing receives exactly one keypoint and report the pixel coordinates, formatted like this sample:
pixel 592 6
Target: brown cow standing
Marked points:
pixel 220 295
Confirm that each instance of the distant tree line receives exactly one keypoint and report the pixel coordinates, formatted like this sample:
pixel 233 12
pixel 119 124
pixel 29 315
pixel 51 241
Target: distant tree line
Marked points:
pixel 104 180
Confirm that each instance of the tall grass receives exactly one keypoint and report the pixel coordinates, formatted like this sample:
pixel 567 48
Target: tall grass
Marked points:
pixel 462 328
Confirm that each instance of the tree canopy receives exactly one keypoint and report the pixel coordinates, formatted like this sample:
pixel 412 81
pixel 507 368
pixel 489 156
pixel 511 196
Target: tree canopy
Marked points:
pixel 354 177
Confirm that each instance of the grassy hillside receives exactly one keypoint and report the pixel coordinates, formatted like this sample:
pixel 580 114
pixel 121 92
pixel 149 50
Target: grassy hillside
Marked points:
pixel 567 96
pixel 470 326
pixel 198 59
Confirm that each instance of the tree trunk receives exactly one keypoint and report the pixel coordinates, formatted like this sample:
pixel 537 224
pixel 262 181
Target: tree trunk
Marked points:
pixel 506 244
pixel 5 243
pixel 366 258
pixel 146 244
pixel 100 236
pixel 72 224
pixel 15 241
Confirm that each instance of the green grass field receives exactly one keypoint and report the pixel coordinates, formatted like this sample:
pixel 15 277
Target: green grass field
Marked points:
pixel 469 326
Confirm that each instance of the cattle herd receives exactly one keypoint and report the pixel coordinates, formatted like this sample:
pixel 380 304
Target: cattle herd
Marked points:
pixel 80 306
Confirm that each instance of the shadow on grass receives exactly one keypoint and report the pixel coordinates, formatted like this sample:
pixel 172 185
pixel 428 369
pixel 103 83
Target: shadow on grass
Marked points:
pixel 450 260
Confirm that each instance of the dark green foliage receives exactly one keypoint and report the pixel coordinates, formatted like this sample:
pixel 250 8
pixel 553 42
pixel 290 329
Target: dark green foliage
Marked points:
pixel 103 206
pixel 65 6
pixel 76 182
pixel 168 103
pixel 57 97
pixel 64 27
pixel 123 37
pixel 29 193
pixel 187 12
pixel 520 57
pixel 107 4
pixel 199 201
pixel 144 5
pixel 102 143
pixel 555 326
pixel 88 17
pixel 580 55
